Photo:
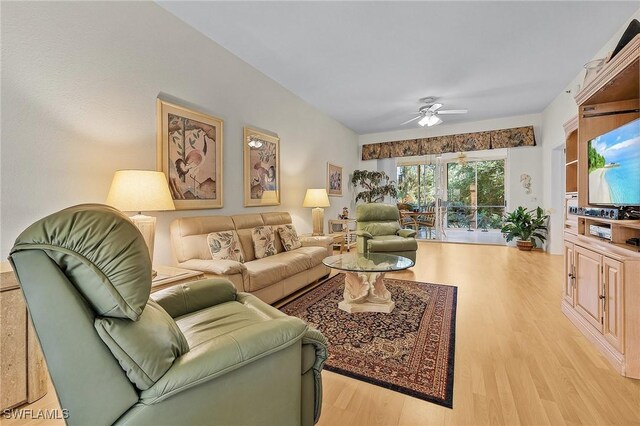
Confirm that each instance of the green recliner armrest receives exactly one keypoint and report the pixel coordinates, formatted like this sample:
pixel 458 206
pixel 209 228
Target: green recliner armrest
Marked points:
pixel 407 233
pixel 224 354
pixel 311 337
pixel 364 234
pixel 193 296
pixel 319 343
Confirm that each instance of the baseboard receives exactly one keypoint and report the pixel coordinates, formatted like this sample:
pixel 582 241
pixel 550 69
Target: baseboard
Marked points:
pixel 615 358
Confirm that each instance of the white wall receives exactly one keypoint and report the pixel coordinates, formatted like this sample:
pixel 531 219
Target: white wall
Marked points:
pixel 79 84
pixel 519 160
pixel 560 110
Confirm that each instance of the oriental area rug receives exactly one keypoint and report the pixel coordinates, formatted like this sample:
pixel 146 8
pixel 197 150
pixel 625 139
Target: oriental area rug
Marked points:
pixel 410 350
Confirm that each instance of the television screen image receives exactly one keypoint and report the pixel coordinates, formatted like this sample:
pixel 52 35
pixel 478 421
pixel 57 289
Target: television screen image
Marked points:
pixel 614 166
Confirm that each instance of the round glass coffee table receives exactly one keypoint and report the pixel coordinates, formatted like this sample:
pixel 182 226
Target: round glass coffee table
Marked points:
pixel 364 289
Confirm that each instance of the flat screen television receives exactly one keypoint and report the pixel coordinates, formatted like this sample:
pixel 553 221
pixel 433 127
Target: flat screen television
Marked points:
pixel 614 167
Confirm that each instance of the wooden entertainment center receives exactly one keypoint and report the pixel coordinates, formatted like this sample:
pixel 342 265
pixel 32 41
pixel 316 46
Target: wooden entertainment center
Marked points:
pixel 601 291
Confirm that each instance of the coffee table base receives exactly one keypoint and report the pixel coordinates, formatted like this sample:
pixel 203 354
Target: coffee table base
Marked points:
pixel 366 292
pixel 366 307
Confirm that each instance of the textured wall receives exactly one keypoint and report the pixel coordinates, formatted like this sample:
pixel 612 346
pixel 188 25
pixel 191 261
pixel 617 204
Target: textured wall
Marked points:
pixel 79 84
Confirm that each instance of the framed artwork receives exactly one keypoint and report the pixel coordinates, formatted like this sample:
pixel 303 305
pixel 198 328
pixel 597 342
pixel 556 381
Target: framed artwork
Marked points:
pixel 189 152
pixel 334 180
pixel 261 153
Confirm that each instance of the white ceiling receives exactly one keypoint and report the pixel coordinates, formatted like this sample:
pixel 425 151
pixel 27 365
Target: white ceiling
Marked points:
pixel 367 63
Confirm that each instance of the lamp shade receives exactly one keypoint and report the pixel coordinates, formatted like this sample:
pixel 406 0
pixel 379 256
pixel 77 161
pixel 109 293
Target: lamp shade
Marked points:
pixel 140 190
pixel 316 198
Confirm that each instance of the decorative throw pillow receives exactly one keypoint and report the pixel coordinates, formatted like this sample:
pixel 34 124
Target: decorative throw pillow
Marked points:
pixel 289 237
pixel 263 241
pixel 225 245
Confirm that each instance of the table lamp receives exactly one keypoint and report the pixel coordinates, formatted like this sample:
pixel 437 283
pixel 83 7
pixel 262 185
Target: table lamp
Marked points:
pixel 318 199
pixel 137 191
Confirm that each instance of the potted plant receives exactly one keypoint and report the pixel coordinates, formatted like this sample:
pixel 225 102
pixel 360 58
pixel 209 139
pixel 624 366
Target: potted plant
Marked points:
pixel 526 226
pixel 376 186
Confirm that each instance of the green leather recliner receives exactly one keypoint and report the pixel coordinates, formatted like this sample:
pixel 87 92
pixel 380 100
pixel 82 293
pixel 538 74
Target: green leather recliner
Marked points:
pixel 197 353
pixel 378 231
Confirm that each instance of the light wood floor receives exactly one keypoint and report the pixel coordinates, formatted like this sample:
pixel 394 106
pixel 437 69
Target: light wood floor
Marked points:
pixel 518 359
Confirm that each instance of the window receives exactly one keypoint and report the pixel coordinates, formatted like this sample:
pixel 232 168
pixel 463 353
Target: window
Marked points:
pixel 475 194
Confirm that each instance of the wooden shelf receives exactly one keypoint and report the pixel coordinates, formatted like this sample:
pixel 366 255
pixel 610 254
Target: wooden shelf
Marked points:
pixel 627 246
pixel 626 222
pixel 571 155
pixel 571 150
pixel 571 177
pixel 634 224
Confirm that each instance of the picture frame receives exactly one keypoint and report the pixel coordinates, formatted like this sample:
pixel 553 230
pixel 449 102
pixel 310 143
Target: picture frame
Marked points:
pixel 335 180
pixel 261 168
pixel 190 153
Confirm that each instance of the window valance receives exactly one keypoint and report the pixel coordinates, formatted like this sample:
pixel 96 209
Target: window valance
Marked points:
pixel 476 141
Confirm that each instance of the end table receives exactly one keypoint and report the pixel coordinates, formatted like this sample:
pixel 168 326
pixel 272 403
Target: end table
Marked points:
pixel 169 276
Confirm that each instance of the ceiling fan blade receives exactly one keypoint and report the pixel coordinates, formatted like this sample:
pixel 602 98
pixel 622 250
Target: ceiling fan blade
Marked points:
pixel 453 111
pixel 434 121
pixel 434 107
pixel 409 121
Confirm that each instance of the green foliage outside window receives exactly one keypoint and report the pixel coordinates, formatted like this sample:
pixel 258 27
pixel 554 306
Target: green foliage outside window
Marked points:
pixel 489 194
pixel 416 185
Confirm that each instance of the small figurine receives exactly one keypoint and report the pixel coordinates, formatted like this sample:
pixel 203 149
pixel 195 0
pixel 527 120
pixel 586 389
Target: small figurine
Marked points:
pixel 345 213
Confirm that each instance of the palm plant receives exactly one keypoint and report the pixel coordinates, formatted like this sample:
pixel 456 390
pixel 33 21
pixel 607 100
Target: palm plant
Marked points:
pixel 526 226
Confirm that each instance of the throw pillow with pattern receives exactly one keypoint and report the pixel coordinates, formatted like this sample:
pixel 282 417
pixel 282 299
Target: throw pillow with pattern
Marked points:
pixel 263 241
pixel 289 237
pixel 225 245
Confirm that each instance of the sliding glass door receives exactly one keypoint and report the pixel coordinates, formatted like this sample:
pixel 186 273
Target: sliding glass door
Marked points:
pixel 475 194
pixel 416 185
pixel 453 194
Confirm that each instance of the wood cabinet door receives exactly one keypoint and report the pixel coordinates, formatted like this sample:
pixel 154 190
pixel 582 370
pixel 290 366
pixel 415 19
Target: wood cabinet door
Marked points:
pixel 13 349
pixel 588 289
pixel 613 302
pixel 567 292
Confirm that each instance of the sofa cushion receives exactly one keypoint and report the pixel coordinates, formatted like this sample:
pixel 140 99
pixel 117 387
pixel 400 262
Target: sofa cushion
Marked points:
pixel 316 254
pixel 264 272
pixel 294 261
pixel 145 348
pixel 289 237
pixel 244 224
pixel 392 243
pixel 276 219
pixel 263 241
pixel 224 245
pixel 189 235
pixel 381 228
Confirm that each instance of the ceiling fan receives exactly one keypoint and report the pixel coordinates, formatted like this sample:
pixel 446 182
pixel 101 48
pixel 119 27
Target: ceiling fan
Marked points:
pixel 428 114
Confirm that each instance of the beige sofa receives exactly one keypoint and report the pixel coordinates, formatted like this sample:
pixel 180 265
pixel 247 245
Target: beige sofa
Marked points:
pixel 270 278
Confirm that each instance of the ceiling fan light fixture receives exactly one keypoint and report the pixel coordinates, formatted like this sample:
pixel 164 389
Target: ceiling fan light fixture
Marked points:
pixel 433 120
pixel 424 121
